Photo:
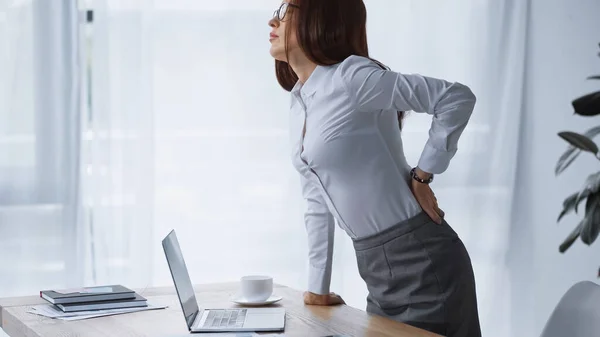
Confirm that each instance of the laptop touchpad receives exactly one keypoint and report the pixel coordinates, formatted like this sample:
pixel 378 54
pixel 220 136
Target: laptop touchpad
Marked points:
pixel 264 320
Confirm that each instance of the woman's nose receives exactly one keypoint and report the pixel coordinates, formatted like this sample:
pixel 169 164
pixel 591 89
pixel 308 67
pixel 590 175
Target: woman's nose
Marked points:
pixel 273 23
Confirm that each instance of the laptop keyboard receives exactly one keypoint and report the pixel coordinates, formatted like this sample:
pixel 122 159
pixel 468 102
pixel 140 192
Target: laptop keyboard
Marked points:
pixel 233 318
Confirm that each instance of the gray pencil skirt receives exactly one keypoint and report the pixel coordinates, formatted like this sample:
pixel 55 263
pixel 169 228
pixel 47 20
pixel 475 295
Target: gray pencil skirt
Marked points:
pixel 418 272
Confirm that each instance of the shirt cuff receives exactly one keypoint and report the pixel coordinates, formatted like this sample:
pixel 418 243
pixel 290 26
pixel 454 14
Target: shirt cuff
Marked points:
pixel 435 161
pixel 319 280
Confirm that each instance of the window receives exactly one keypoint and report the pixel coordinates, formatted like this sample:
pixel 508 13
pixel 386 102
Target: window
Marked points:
pixel 37 151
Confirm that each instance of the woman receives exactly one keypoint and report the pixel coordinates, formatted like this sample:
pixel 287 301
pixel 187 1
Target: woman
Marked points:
pixel 347 147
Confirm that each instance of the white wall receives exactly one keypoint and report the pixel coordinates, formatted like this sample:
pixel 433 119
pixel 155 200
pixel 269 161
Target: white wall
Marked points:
pixel 562 52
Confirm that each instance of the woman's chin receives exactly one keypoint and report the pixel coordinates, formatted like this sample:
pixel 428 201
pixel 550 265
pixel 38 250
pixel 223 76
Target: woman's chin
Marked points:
pixel 277 54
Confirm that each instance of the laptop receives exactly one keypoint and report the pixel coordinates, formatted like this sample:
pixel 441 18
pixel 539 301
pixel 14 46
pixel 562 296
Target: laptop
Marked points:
pixel 217 319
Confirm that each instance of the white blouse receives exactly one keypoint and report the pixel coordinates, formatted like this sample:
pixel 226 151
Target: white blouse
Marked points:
pixel 347 147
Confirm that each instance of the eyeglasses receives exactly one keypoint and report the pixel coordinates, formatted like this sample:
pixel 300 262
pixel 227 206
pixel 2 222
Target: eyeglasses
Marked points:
pixel 280 13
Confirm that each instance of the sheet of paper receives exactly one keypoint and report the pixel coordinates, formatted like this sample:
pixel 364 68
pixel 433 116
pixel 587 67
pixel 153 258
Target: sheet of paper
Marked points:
pixel 222 334
pixel 48 310
pixel 77 318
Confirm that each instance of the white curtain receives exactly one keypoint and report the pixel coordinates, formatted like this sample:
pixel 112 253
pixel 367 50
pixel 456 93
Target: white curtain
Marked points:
pixel 183 125
pixel 195 139
pixel 119 140
pixel 39 146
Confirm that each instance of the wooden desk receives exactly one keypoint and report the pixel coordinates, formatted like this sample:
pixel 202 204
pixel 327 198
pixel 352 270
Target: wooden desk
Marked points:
pixel 301 320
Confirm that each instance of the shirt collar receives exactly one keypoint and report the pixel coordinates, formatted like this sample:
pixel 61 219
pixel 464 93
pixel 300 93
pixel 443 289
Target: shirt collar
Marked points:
pixel 311 85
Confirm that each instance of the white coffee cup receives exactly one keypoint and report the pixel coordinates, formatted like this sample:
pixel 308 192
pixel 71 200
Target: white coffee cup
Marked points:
pixel 256 288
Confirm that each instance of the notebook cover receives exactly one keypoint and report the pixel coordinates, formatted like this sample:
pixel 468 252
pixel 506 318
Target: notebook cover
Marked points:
pixel 87 294
pixel 138 301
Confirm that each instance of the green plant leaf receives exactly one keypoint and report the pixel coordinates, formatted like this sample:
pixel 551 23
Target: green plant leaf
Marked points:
pixel 591 225
pixel 572 152
pixel 579 141
pixel 591 203
pixel 587 105
pixel 569 204
pixel 582 195
pixel 583 224
pixel 566 159
pixel 593 182
pixel 591 185
pixel 570 239
pixel 593 132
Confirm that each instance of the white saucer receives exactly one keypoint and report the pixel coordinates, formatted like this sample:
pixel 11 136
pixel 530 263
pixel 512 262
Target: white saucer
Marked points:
pixel 242 301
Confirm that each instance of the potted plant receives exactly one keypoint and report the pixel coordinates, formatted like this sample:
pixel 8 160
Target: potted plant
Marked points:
pixel 589 226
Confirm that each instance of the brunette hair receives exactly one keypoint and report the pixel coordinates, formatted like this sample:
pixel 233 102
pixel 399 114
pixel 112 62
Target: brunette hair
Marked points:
pixel 328 32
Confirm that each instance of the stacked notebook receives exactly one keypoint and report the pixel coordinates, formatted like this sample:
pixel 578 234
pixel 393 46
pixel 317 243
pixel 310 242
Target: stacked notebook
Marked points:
pixel 94 298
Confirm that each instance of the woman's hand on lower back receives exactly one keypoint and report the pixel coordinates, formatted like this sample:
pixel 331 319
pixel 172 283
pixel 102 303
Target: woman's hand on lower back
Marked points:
pixel 427 200
pixel 327 299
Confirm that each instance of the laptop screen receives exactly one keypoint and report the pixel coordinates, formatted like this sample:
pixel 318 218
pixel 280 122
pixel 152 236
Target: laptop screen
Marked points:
pixel 181 278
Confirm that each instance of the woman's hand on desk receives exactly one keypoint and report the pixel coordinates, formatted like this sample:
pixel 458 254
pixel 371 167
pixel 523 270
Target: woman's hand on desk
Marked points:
pixel 328 299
